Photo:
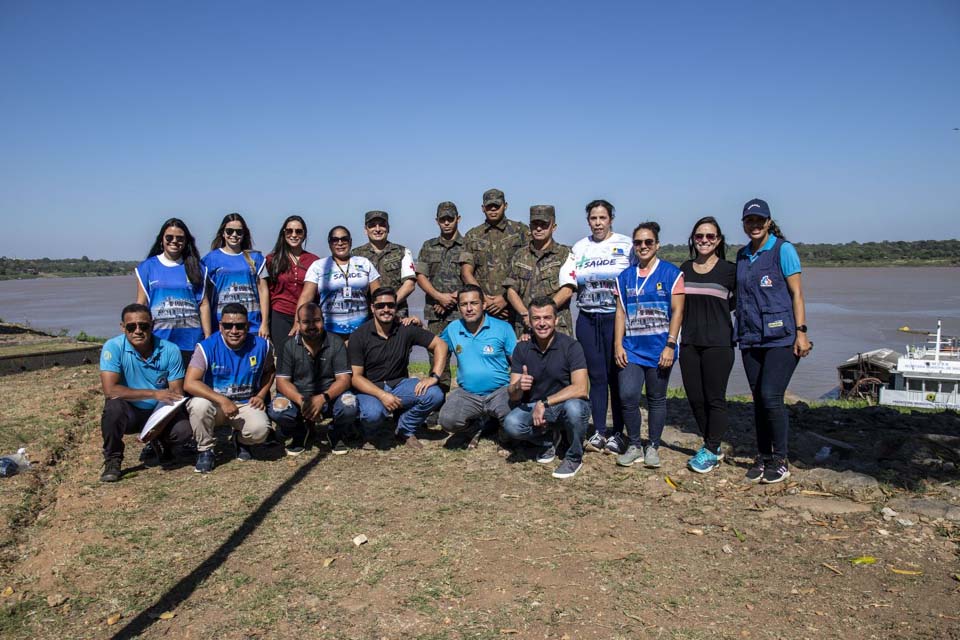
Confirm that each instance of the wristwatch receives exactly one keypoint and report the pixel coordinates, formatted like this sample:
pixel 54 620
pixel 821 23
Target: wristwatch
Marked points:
pixel 672 344
pixel 802 328
pixel 434 375
pixel 326 397
pixel 546 402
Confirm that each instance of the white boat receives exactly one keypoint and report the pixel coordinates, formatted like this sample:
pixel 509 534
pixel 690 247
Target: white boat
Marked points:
pixel 928 376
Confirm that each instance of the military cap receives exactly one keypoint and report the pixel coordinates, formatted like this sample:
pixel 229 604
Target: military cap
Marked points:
pixel 493 196
pixel 447 209
pixel 544 212
pixel 376 215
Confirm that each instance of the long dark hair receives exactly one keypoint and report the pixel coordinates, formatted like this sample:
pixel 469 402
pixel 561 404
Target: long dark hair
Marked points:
pixel 774 230
pixel 280 261
pixel 721 249
pixel 189 254
pixel 245 245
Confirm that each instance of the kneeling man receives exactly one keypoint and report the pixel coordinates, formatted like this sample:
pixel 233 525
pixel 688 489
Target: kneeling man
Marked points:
pixel 229 376
pixel 139 371
pixel 549 381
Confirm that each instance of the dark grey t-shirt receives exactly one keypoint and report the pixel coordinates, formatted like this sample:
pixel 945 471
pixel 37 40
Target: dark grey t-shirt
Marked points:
pixel 312 375
pixel 550 369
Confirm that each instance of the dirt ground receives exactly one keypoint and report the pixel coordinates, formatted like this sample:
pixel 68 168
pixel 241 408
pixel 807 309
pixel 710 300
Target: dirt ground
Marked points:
pixel 469 544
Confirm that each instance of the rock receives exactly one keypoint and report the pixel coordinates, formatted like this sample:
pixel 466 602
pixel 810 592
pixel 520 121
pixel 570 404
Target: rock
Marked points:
pixel 773 513
pixel 727 548
pixel 56 599
pixel 858 486
pixel 928 507
pixel 830 506
pixel 888 513
pixel 360 539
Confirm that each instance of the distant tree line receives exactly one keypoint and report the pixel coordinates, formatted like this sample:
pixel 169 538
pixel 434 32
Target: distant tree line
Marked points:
pixel 13 268
pixel 855 254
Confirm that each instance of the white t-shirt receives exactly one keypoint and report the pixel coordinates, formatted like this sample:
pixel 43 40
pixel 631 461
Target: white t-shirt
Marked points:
pixel 593 267
pixel 342 291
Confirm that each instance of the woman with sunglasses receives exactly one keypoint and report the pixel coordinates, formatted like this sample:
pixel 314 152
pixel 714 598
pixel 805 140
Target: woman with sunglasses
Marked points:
pixel 287 266
pixel 649 314
pixel 172 282
pixel 772 332
pixel 706 354
pixel 341 284
pixel 238 274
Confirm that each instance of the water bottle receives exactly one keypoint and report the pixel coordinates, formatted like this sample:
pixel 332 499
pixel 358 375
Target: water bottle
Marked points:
pixel 13 464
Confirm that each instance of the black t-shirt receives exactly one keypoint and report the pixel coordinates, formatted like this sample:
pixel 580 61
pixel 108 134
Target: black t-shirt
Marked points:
pixel 550 369
pixel 385 360
pixel 312 374
pixel 707 305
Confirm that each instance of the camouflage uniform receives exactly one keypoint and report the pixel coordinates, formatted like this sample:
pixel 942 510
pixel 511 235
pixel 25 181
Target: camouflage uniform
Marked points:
pixel 537 273
pixel 388 262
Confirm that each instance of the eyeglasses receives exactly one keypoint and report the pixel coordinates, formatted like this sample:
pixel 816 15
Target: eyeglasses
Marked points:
pixel 174 239
pixel 133 326
pixel 644 242
pixel 384 305
pixel 338 239
pixel 294 232
pixel 709 237
pixel 233 232
pixel 230 326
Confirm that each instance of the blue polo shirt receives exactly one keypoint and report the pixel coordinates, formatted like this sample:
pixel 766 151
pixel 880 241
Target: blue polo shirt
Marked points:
pixel 789 258
pixel 163 366
pixel 482 365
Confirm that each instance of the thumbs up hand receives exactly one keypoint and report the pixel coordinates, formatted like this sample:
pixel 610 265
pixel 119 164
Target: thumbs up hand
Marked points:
pixel 526 380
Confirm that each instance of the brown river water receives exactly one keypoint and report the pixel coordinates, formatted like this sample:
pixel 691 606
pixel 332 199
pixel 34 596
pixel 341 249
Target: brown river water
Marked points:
pixel 849 310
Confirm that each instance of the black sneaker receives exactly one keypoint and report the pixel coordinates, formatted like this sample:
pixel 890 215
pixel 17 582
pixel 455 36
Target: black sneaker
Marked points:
pixel 776 471
pixel 243 451
pixel 206 461
pixel 150 454
pixel 755 473
pixel 111 470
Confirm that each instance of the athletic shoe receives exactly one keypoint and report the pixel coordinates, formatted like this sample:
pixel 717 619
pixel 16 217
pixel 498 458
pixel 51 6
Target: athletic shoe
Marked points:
pixel 206 460
pixel 755 472
pixel 111 470
pixel 615 444
pixel 596 442
pixel 651 457
pixel 567 469
pixel 547 455
pixel 412 443
pixel 631 455
pixel 776 471
pixel 704 461
pixel 150 454
pixel 340 448
pixel 243 451
pixel 297 445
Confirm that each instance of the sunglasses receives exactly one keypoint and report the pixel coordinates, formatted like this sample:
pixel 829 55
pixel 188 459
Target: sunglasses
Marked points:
pixel 384 305
pixel 644 242
pixel 338 239
pixel 133 326
pixel 174 239
pixel 230 326
pixel 709 237
pixel 373 224
pixel 294 232
pixel 492 207
pixel 233 232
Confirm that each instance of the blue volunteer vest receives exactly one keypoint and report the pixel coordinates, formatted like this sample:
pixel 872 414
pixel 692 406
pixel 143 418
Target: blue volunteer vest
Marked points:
pixel 764 306
pixel 648 312
pixel 235 374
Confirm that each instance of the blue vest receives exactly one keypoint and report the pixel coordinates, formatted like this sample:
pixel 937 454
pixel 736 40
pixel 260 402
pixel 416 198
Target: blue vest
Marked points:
pixel 235 374
pixel 764 306
pixel 648 312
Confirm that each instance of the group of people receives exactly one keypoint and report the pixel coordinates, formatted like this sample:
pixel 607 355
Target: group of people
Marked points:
pixel 272 346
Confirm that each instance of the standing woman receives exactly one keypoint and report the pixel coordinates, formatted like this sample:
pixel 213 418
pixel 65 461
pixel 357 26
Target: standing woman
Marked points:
pixel 706 353
pixel 341 284
pixel 238 273
pixel 649 315
pixel 287 266
pixel 772 332
pixel 592 268
pixel 172 282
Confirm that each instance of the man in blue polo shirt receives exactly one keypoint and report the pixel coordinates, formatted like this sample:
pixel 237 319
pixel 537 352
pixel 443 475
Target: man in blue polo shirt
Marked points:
pixel 139 371
pixel 483 345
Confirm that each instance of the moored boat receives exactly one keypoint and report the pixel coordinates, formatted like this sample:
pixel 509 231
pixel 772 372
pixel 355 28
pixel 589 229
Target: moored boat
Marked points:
pixel 928 376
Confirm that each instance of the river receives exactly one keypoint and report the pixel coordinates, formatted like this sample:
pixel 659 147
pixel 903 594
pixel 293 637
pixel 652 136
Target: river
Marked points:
pixel 849 310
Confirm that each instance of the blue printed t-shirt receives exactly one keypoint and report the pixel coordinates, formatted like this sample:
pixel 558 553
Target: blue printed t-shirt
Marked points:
pixel 645 297
pixel 234 280
pixel 342 291
pixel 789 259
pixel 174 301
pixel 482 365
pixel 163 366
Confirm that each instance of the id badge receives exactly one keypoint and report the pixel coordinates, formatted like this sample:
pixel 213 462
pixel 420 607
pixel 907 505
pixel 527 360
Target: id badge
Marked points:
pixel 347 291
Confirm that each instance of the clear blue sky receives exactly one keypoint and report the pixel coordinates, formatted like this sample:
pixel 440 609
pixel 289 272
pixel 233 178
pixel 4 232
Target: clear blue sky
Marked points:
pixel 116 115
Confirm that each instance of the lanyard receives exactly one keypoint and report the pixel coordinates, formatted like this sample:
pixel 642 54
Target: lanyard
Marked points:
pixel 346 278
pixel 639 290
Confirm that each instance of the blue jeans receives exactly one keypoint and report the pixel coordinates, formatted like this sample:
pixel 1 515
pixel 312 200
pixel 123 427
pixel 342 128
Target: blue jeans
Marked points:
pixel 769 371
pixel 572 417
pixel 411 415
pixel 291 424
pixel 653 380
pixel 595 334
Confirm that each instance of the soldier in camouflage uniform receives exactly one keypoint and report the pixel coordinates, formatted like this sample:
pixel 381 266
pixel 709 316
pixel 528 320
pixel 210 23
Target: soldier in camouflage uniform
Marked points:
pixel 438 274
pixel 535 271
pixel 487 250
pixel 393 261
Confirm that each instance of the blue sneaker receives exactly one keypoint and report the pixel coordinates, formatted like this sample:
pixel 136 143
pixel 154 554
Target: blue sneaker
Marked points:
pixel 704 461
pixel 205 461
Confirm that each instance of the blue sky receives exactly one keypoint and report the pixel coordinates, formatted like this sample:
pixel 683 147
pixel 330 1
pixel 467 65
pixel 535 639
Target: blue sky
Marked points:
pixel 116 115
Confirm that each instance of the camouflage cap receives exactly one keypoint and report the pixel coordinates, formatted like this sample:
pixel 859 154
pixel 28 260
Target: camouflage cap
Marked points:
pixel 544 212
pixel 447 209
pixel 493 196
pixel 376 215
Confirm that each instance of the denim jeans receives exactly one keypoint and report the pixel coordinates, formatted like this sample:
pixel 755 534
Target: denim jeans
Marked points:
pixel 769 371
pixel 291 423
pixel 571 417
pixel 653 381
pixel 411 415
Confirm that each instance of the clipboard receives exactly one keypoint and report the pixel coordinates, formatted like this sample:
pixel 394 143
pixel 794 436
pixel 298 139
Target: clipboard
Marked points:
pixel 159 419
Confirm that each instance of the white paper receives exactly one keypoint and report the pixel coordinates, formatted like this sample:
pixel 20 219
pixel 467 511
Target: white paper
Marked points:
pixel 158 419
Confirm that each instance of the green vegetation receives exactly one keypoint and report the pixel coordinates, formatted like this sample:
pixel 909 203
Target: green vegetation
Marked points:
pixel 13 269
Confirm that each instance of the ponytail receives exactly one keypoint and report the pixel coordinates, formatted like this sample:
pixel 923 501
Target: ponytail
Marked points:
pixel 775 230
